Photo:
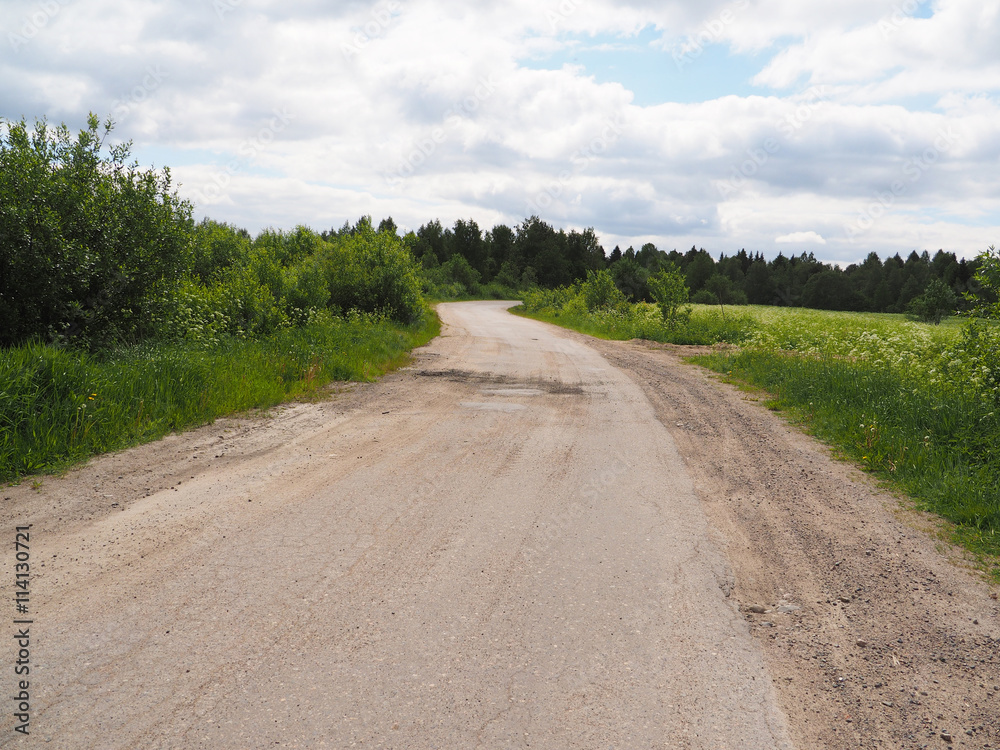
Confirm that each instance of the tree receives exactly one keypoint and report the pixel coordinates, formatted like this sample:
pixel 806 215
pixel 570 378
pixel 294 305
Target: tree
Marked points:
pixel 600 292
pixel 87 240
pixel 699 269
pixel 986 304
pixel 831 290
pixel 670 292
pixel 722 288
pixel 630 278
pixel 936 301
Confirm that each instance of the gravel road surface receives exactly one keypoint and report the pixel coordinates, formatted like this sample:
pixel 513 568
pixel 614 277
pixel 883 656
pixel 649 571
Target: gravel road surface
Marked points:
pixel 527 539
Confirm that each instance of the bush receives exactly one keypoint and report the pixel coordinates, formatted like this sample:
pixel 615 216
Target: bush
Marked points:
pixel 600 291
pixel 87 242
pixel 670 291
pixel 937 301
pixel 373 272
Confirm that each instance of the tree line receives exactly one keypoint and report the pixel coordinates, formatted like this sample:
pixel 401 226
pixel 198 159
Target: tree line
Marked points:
pixel 464 259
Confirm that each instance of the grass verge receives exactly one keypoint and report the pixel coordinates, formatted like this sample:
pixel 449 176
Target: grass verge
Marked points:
pixel 643 321
pixel 938 447
pixel 59 406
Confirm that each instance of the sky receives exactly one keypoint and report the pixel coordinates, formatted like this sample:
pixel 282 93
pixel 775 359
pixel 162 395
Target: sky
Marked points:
pixel 771 125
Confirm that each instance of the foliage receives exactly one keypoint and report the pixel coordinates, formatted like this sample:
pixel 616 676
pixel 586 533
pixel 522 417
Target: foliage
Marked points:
pixel 374 272
pixel 59 405
pixel 941 445
pixel 600 292
pixel 670 292
pixel 987 303
pixel 937 301
pixel 87 240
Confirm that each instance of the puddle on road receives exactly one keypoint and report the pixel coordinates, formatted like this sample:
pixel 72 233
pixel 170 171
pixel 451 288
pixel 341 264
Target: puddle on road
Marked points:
pixel 515 385
pixel 495 406
pixel 511 392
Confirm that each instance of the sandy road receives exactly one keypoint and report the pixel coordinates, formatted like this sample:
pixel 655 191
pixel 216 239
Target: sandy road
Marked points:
pixel 500 547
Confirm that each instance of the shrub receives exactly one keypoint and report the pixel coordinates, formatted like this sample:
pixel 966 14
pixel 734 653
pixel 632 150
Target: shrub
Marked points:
pixel 373 272
pixel 599 291
pixel 87 242
pixel 670 291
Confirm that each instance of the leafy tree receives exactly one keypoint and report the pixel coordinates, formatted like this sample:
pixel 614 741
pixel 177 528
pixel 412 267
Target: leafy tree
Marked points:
pixel 699 269
pixel 936 301
pixel 373 272
pixel 387 225
pixel 631 278
pixel 722 288
pixel 467 241
pixel 987 303
pixel 758 285
pixel 500 242
pixel 457 270
pixel 600 291
pixel 670 292
pixel 87 240
pixel 830 290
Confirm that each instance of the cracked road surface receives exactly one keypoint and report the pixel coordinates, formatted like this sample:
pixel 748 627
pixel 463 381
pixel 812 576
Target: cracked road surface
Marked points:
pixel 498 547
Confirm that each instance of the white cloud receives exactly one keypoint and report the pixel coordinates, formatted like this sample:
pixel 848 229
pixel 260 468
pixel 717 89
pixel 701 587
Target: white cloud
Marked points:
pixel 423 110
pixel 800 238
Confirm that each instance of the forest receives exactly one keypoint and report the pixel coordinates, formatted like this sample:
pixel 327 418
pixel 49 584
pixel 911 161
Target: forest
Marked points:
pixel 467 260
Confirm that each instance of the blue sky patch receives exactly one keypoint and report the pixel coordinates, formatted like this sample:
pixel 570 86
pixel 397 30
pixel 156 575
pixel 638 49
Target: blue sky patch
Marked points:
pixel 655 75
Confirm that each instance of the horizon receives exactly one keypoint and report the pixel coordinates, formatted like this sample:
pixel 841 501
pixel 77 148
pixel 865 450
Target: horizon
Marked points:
pixel 834 130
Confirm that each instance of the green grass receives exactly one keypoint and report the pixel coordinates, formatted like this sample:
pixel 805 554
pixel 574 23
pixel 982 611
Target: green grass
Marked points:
pixel 59 406
pixel 939 446
pixel 708 325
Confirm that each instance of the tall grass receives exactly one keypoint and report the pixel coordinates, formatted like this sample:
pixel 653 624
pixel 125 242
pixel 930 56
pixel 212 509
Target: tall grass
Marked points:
pixel 939 445
pixel 707 324
pixel 58 406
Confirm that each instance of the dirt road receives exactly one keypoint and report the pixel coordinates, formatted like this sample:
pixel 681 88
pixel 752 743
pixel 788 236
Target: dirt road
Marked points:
pixel 526 539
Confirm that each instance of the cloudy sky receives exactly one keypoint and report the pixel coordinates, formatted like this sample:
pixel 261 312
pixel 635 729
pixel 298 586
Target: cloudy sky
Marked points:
pixel 771 125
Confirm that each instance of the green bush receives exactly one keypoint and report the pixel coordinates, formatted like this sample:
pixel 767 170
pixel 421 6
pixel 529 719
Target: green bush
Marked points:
pixel 670 291
pixel 599 291
pixel 373 272
pixel 87 241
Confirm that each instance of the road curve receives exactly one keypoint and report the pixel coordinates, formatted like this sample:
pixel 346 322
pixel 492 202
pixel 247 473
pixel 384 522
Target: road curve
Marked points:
pixel 497 547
